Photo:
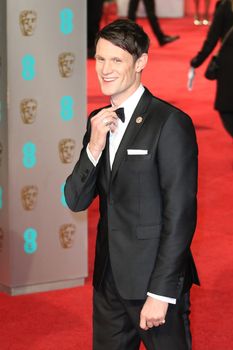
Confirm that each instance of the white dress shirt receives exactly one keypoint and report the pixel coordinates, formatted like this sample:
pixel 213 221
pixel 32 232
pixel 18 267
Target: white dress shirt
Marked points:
pixel 114 141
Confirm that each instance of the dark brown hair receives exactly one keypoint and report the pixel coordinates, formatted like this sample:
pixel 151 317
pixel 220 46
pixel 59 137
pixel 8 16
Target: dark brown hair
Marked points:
pixel 127 35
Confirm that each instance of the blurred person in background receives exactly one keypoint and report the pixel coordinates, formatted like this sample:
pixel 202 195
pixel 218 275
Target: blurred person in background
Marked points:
pixel 222 23
pixel 197 15
pixel 162 38
pixel 94 14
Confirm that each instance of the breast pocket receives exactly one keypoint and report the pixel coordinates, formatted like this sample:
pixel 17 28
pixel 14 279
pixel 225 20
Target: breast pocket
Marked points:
pixel 138 157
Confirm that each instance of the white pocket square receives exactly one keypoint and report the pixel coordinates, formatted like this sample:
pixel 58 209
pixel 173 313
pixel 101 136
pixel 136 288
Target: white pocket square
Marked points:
pixel 137 152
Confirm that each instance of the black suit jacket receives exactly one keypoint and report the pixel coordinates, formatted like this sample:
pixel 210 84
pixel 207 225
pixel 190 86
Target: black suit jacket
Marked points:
pixel 147 202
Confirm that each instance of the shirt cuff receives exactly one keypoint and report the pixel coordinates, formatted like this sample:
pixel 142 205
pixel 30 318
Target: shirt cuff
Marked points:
pixel 160 297
pixel 90 156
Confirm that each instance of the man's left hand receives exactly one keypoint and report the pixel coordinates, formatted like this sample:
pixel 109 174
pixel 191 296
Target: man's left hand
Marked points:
pixel 153 313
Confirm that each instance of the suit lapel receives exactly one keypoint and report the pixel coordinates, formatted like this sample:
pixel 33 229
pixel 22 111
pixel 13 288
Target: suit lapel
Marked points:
pixel 136 122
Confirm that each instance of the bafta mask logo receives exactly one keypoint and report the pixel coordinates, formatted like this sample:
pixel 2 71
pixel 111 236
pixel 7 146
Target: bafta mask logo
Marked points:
pixel 66 150
pixel 67 235
pixel 29 196
pixel 27 21
pixel 1 153
pixel 66 64
pixel 28 110
pixel 1 239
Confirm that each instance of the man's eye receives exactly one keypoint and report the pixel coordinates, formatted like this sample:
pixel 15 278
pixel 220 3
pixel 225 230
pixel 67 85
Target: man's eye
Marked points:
pixel 117 60
pixel 99 59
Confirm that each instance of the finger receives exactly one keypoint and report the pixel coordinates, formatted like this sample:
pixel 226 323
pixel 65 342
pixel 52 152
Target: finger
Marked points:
pixel 111 117
pixel 143 324
pixel 109 122
pixel 105 110
pixel 105 121
pixel 162 322
pixel 112 128
pixel 103 113
pixel 149 324
pixel 158 323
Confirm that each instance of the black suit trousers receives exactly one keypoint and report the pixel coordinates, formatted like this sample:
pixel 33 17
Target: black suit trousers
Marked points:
pixel 116 322
pixel 151 15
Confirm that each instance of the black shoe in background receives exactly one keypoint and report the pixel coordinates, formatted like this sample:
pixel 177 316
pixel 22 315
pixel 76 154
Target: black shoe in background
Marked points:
pixel 167 39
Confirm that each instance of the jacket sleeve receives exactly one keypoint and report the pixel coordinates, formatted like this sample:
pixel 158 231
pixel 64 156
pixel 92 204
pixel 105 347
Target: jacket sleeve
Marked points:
pixel 177 161
pixel 214 34
pixel 80 187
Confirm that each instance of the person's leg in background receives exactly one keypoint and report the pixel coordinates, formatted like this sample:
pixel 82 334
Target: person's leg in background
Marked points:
pixel 206 19
pixel 197 20
pixel 227 120
pixel 132 9
pixel 94 14
pixel 153 20
pixel 197 16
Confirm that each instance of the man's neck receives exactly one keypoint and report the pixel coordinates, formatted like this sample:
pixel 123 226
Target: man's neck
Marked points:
pixel 117 101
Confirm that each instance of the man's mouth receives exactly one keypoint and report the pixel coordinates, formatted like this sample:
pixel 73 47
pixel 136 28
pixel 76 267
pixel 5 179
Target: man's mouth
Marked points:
pixel 108 80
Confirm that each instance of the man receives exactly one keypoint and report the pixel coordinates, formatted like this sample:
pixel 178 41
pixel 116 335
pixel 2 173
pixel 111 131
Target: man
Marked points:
pixel 162 38
pixel 143 167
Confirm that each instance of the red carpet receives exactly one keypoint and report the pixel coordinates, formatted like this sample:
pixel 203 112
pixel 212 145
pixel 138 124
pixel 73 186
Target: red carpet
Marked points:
pixel 62 319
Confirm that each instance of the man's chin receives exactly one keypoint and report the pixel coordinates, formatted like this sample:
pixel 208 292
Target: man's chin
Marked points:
pixel 106 92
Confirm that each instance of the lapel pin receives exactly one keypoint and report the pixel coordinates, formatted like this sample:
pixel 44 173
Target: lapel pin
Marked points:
pixel 139 120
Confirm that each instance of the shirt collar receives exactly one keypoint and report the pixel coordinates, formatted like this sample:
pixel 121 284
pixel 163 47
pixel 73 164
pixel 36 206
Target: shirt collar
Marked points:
pixel 130 104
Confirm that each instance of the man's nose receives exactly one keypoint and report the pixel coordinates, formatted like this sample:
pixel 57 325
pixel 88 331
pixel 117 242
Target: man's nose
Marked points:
pixel 107 67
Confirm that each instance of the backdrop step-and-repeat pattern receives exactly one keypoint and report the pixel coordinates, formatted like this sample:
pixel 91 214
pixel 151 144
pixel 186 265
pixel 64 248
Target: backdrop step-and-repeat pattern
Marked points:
pixel 43 245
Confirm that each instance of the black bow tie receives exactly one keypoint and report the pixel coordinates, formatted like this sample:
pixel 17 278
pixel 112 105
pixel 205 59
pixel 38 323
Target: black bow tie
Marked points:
pixel 121 114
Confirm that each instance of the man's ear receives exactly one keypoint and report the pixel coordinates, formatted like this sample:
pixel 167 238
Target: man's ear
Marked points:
pixel 141 62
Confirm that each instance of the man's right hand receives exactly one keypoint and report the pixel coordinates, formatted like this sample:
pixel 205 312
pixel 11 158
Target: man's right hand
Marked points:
pixel 101 124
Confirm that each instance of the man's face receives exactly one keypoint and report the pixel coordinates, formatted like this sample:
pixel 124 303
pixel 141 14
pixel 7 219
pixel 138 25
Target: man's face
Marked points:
pixel 116 71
